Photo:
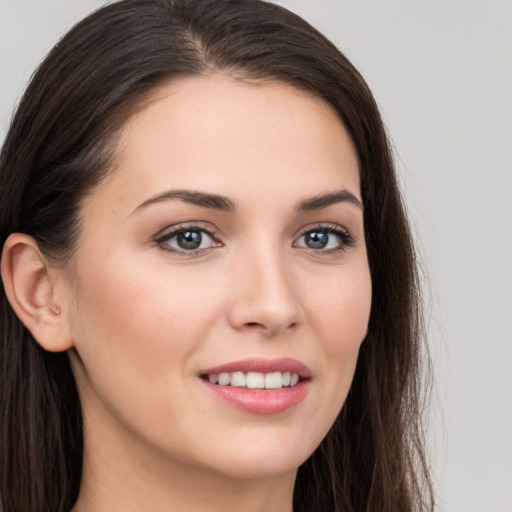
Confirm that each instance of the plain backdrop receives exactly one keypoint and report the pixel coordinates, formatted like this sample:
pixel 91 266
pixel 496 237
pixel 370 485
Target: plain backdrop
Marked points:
pixel 441 71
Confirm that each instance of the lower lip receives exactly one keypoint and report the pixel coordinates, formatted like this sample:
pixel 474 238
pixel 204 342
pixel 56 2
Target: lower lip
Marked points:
pixel 260 401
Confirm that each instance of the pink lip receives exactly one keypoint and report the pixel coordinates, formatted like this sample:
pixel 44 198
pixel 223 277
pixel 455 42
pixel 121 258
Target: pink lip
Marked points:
pixel 261 401
pixel 284 364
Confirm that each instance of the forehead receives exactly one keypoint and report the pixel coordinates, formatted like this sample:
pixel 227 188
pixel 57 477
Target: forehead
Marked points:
pixel 227 136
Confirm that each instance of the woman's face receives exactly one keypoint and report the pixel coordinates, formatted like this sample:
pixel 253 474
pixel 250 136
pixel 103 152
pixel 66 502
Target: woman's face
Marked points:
pixel 227 246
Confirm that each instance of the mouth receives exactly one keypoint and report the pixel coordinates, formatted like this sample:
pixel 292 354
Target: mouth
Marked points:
pixel 254 380
pixel 259 385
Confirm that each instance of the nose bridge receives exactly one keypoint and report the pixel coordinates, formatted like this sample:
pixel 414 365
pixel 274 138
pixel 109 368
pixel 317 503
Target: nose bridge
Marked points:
pixel 265 295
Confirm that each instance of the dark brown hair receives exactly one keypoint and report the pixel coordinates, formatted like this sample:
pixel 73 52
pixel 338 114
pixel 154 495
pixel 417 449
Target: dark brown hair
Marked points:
pixel 60 145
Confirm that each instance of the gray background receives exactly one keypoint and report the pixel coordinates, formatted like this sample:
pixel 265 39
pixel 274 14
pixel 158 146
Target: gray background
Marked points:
pixel 442 74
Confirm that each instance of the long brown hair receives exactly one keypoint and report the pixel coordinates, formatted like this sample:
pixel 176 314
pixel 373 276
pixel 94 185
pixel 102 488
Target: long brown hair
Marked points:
pixel 60 145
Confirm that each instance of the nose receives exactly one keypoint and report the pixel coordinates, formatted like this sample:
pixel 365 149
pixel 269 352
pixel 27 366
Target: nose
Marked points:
pixel 265 295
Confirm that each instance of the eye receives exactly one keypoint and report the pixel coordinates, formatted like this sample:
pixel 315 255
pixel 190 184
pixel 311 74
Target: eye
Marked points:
pixel 187 239
pixel 326 239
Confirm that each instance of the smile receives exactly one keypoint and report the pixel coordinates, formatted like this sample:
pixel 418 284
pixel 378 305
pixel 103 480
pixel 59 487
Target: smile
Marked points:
pixel 259 385
pixel 254 380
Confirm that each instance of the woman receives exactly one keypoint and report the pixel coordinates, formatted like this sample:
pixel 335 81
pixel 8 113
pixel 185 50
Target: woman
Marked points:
pixel 210 298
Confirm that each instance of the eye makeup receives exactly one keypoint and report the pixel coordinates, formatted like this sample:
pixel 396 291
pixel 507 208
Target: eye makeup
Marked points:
pixel 188 239
pixel 194 238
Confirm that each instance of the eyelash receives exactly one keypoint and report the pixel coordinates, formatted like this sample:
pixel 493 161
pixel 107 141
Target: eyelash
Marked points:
pixel 163 239
pixel 346 239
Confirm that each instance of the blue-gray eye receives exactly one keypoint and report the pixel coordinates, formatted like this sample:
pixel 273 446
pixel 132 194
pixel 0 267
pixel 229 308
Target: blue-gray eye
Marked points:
pixel 188 239
pixel 325 238
pixel 316 239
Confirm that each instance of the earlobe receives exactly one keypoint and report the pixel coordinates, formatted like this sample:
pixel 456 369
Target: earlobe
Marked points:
pixel 31 289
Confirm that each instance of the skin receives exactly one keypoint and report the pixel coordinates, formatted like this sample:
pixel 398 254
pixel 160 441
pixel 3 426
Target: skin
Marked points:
pixel 144 317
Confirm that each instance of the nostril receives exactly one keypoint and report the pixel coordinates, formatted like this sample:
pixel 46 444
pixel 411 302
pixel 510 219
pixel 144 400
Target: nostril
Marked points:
pixel 268 328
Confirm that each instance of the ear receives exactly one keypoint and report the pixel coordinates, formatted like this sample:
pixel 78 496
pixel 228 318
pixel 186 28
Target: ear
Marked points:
pixel 32 288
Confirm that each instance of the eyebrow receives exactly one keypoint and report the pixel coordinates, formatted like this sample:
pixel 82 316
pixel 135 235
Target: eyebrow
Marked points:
pixel 197 198
pixel 222 203
pixel 325 200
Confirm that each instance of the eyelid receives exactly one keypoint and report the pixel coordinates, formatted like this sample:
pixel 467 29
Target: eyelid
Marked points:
pixel 347 239
pixel 176 229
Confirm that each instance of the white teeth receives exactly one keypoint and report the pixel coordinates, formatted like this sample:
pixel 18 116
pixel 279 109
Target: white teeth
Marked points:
pixel 238 379
pixel 224 379
pixel 255 380
pixel 273 380
pixel 213 378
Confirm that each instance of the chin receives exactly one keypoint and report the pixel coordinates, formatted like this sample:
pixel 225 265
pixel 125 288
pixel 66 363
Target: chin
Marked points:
pixel 260 468
pixel 265 455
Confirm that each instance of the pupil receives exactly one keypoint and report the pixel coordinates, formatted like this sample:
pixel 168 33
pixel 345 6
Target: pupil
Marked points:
pixel 316 239
pixel 189 239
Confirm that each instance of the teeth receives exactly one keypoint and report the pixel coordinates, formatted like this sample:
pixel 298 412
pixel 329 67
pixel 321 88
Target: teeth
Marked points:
pixel 224 379
pixel 238 379
pixel 273 380
pixel 255 380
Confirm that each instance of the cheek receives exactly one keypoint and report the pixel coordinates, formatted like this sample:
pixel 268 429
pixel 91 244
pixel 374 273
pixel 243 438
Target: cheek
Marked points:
pixel 137 329
pixel 341 310
pixel 142 317
pixel 340 313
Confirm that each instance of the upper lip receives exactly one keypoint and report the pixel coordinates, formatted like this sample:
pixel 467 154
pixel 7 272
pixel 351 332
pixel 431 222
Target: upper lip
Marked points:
pixel 261 365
